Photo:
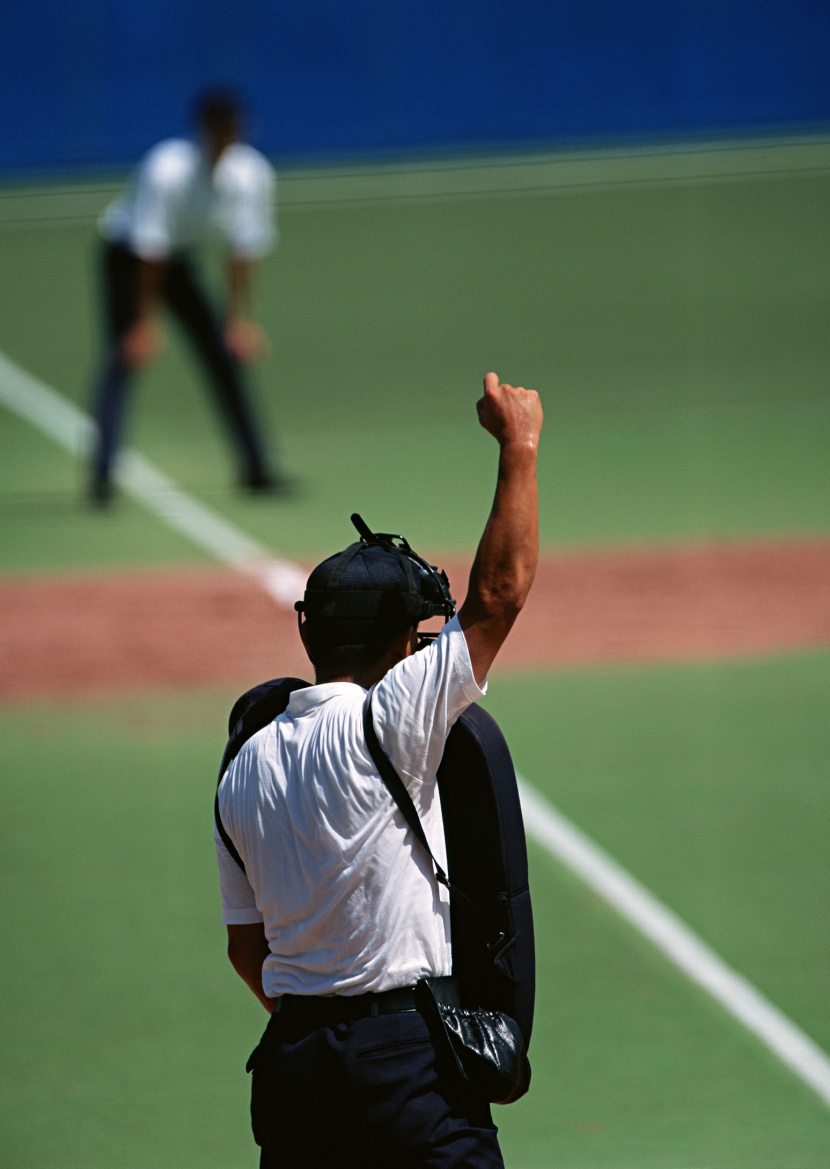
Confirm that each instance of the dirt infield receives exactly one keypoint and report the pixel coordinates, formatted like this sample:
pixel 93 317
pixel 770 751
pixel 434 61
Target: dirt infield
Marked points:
pixel 90 633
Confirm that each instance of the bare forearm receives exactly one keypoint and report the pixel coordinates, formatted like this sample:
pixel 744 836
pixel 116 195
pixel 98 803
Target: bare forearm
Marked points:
pixel 505 563
pixel 142 340
pixel 247 950
pixel 151 275
pixel 243 336
pixel 240 287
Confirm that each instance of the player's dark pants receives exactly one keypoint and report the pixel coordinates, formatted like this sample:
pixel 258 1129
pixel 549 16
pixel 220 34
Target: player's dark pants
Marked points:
pixel 184 296
pixel 362 1093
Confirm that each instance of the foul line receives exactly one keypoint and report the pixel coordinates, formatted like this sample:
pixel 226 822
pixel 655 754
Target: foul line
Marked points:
pixel 72 429
pixel 673 938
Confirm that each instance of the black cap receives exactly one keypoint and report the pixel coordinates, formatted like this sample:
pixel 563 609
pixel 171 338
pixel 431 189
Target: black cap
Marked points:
pixel 372 589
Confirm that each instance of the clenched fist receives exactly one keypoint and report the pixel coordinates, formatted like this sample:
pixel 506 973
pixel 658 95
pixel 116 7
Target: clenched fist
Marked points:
pixel 512 414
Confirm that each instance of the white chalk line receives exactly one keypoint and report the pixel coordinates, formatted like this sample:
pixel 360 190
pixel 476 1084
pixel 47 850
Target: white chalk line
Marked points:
pixel 673 938
pixel 72 429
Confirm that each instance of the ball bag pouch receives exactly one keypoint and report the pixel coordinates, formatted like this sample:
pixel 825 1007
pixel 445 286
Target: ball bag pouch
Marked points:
pixel 486 1047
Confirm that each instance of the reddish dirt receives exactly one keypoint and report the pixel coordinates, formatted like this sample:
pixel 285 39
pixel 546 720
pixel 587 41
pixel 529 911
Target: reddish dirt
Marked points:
pixel 96 633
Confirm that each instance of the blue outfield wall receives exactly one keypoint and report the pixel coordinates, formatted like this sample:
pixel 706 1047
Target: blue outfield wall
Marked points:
pixel 91 83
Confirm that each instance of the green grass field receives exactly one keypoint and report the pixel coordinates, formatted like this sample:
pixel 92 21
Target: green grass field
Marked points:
pixel 679 336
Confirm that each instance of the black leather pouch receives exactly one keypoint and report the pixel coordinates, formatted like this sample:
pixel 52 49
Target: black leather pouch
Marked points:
pixel 486 1047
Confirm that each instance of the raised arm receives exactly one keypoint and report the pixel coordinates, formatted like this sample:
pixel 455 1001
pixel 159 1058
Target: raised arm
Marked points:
pixel 505 563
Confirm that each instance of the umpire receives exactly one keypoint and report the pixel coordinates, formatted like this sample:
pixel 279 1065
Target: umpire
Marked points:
pixel 180 189
pixel 338 915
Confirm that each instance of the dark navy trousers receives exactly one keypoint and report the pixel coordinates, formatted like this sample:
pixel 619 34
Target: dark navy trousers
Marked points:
pixel 183 294
pixel 365 1094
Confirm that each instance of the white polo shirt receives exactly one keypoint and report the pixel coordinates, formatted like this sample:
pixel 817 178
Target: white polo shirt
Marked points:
pixel 347 896
pixel 174 198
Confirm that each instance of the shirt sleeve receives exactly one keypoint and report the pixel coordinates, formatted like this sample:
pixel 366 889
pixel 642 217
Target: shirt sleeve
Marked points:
pixel 416 703
pixel 151 226
pixel 238 901
pixel 246 213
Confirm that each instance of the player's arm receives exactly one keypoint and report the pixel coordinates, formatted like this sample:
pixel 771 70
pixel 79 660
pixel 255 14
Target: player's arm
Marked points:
pixel 247 950
pixel 505 563
pixel 142 340
pixel 243 336
pixel 151 241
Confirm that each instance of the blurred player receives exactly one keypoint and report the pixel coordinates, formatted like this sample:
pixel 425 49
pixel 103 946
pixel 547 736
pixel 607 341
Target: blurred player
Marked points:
pixel 180 189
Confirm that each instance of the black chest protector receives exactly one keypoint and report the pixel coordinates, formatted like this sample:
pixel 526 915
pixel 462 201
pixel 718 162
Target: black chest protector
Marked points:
pixel 491 917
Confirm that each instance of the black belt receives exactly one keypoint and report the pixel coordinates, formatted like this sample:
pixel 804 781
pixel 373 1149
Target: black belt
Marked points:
pixel 324 1011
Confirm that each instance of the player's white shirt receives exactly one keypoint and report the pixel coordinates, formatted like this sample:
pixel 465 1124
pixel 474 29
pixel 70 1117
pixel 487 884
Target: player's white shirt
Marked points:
pixel 173 199
pixel 347 896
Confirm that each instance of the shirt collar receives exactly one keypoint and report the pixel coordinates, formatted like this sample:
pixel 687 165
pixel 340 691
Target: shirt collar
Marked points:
pixel 311 696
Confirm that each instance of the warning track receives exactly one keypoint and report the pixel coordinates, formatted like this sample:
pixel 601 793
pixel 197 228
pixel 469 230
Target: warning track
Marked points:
pixel 86 633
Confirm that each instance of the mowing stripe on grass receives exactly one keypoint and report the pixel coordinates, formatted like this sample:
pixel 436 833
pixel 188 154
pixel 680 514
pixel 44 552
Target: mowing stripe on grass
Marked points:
pixel 72 429
pixel 432 181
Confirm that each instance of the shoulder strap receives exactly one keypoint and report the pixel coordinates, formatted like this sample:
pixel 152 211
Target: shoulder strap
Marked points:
pixel 397 789
pixel 226 840
pixel 396 786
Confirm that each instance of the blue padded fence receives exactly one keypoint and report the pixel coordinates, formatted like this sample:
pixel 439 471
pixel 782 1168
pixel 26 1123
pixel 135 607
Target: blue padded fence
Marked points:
pixel 92 83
